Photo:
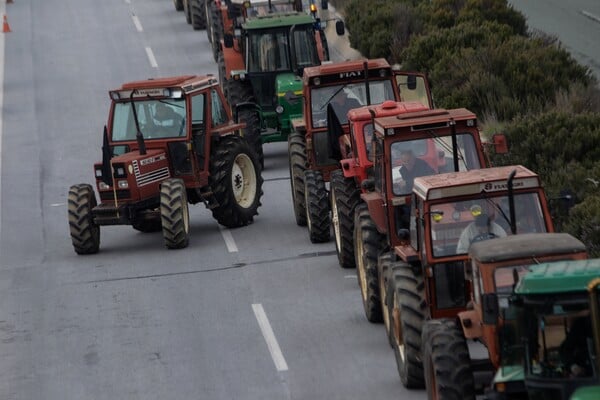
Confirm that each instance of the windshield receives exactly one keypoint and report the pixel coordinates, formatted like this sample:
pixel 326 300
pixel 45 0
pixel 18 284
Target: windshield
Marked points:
pixel 270 51
pixel 429 156
pixel 464 222
pixel 157 119
pixel 344 98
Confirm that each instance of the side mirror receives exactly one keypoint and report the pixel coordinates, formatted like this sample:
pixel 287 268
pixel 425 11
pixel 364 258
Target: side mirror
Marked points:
pixel 490 308
pixel 228 40
pixel 324 4
pixel 368 185
pixel 340 29
pixel 500 143
pixel 411 82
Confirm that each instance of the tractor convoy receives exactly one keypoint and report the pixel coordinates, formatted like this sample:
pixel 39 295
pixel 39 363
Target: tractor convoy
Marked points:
pixel 458 259
pixel 168 142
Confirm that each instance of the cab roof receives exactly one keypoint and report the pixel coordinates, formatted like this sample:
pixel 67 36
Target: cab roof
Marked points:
pixel 344 71
pixel 387 108
pixel 422 120
pixel 526 245
pixel 475 181
pixel 559 277
pixel 277 20
pixel 186 83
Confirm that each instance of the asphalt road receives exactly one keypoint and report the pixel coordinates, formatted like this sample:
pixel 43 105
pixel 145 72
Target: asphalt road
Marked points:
pixel 253 313
pixel 576 23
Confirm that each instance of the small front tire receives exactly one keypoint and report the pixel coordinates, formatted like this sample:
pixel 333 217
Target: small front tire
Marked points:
pixel 85 233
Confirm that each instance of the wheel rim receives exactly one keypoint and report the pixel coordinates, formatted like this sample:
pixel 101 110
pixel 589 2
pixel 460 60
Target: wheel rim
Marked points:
pixel 243 180
pixel 383 293
pixel 362 276
pixel 335 220
pixel 398 339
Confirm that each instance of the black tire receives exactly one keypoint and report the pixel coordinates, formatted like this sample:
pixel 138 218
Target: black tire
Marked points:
pixel 297 165
pixel 198 15
pixel 318 220
pixel 408 313
pixel 384 268
pixel 345 196
pixel 85 233
pixel 448 374
pixel 207 5
pixel 147 225
pixel 187 10
pixel 368 242
pixel 178 5
pixel 174 213
pixel 241 92
pixel 235 181
pixel 214 28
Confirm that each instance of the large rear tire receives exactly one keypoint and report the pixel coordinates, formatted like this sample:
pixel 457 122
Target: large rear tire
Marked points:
pixel 448 374
pixel 408 313
pixel 368 246
pixel 178 5
pixel 85 233
pixel 345 196
pixel 297 165
pixel 235 181
pixel 174 213
pixel 198 15
pixel 318 220
pixel 214 28
pixel 187 10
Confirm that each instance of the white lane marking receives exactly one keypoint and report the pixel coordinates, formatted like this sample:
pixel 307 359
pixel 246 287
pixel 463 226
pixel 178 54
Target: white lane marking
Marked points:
pixel 269 336
pixel 350 276
pixel 590 16
pixel 57 204
pixel 229 242
pixel 151 58
pixel 127 1
pixel 137 23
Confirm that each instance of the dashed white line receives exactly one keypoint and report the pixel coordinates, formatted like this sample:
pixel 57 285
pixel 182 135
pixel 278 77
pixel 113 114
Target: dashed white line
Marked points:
pixel 151 57
pixel 350 276
pixel 137 23
pixel 229 242
pixel 269 336
pixel 590 16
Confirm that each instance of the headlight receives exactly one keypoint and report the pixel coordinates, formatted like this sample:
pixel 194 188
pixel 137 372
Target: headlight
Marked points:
pixel 279 109
pixel 103 186
pixel 123 185
pixel 119 170
pixel 99 173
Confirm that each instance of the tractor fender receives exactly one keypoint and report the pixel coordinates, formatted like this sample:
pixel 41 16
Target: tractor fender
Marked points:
pixel 471 324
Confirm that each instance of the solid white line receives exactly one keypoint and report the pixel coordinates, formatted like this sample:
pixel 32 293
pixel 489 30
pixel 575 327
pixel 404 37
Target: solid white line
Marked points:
pixel 2 58
pixel 229 242
pixel 591 16
pixel 269 336
pixel 151 58
pixel 137 23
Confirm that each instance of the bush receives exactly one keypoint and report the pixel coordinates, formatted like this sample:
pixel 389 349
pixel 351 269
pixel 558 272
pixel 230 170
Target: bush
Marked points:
pixel 584 223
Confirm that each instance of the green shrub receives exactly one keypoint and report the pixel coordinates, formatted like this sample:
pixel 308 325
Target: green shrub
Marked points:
pixel 584 223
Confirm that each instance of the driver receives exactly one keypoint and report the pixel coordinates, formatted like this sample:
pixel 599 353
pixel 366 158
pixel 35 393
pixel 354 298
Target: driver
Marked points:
pixel 482 228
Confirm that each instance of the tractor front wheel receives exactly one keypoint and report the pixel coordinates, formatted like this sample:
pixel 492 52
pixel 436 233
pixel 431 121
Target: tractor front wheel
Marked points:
pixel 85 233
pixel 318 220
pixel 408 309
pixel 174 214
pixel 448 374
pixel 297 165
pixel 368 243
pixel 345 196
pixel 235 181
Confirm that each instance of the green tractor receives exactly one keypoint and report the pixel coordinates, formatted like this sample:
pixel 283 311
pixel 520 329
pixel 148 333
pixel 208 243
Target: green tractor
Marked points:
pixel 260 70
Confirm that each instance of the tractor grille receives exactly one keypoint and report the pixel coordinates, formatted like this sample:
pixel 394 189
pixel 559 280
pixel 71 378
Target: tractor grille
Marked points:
pixel 121 194
pixel 149 177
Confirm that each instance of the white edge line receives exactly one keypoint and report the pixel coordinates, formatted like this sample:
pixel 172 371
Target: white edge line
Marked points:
pixel 137 23
pixel 2 62
pixel 265 327
pixel 151 58
pixel 229 242
pixel 591 16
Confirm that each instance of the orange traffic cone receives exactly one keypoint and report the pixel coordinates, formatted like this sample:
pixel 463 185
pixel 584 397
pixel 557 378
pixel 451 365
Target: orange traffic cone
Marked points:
pixel 5 26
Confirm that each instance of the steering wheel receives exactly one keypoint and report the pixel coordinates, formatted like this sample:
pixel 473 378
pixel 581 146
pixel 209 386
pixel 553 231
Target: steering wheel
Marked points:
pixel 484 236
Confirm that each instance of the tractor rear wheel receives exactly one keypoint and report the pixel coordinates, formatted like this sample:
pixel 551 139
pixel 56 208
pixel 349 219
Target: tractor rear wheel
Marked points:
pixel 85 233
pixel 178 5
pixel 384 267
pixel 198 16
pixel 448 374
pixel 241 92
pixel 318 219
pixel 408 308
pixel 345 196
pixel 297 164
pixel 235 181
pixel 174 213
pixel 368 244
pixel 187 10
pixel 214 28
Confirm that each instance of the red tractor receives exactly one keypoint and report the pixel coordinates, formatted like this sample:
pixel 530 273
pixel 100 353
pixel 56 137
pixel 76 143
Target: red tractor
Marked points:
pixel 321 139
pixel 168 141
